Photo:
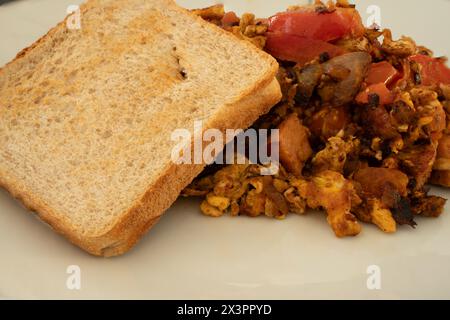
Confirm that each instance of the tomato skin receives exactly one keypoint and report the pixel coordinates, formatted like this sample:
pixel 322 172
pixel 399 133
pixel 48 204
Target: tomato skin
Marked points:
pixel 382 72
pixel 385 95
pixel 298 49
pixel 433 71
pixel 326 26
pixel 304 34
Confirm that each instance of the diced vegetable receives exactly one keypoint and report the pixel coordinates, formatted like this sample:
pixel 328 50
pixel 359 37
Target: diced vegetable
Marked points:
pixel 382 72
pixel 385 96
pixel 298 49
pixel 344 90
pixel 325 26
pixel 433 70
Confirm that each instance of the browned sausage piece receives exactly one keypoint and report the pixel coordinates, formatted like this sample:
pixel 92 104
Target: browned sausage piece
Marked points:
pixel 441 178
pixel 443 151
pixel 375 181
pixel 418 162
pixel 294 145
pixel 441 173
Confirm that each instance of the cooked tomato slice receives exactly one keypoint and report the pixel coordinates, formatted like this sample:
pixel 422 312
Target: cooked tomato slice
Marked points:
pixel 382 72
pixel 434 70
pixel 298 49
pixel 326 26
pixel 385 95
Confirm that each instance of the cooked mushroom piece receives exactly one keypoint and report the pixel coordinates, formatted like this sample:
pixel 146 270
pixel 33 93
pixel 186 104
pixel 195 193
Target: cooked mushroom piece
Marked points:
pixel 346 86
pixel 307 78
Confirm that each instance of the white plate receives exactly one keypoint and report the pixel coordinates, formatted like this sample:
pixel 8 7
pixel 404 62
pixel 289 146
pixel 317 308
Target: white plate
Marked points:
pixel 189 256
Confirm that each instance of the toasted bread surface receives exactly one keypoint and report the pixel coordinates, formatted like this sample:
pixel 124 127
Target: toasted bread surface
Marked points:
pixel 86 115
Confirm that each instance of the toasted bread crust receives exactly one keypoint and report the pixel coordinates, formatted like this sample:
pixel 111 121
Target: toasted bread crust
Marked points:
pixel 146 211
pixel 158 198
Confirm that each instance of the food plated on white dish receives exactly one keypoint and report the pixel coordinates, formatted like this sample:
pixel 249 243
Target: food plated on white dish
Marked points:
pixel 367 152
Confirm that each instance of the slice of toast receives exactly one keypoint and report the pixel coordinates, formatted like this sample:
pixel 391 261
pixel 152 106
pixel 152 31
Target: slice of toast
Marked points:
pixel 86 115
